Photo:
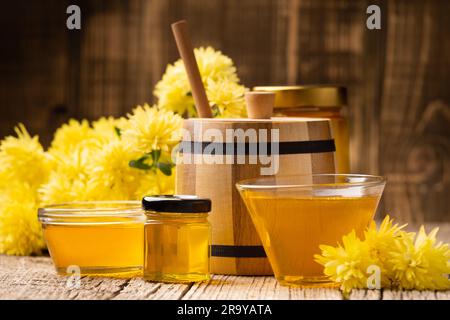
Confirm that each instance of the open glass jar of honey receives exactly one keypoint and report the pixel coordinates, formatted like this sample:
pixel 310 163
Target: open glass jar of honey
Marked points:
pixel 327 102
pixel 177 238
pixel 97 238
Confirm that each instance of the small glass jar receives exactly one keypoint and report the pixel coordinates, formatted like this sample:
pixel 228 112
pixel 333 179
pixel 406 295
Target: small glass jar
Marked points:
pixel 98 238
pixel 177 238
pixel 326 102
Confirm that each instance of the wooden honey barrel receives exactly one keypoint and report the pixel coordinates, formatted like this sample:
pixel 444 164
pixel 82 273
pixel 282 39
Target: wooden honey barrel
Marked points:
pixel 305 147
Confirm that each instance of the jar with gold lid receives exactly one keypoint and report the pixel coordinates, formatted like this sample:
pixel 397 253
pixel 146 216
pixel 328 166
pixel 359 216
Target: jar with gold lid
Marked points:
pixel 317 102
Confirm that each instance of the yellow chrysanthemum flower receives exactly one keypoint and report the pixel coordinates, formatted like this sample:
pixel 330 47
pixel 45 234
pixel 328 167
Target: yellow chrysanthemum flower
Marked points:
pixel 108 129
pixel 73 135
pixel 152 129
pixel 421 263
pixel 226 98
pixel 406 261
pixel 61 190
pixel 110 174
pixel 177 99
pixel 69 180
pixel 155 183
pixel 174 93
pixel 347 264
pixel 381 240
pixel 214 65
pixel 74 165
pixel 20 230
pixel 23 159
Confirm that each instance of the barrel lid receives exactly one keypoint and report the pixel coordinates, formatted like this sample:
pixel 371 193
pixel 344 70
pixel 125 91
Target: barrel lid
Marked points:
pixel 256 121
pixel 176 204
pixel 307 96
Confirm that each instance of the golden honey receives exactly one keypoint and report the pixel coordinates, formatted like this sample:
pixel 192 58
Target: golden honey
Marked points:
pixel 96 238
pixel 326 102
pixel 96 249
pixel 177 250
pixel 176 244
pixel 293 221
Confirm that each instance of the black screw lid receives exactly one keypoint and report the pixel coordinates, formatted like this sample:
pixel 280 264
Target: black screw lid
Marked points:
pixel 176 203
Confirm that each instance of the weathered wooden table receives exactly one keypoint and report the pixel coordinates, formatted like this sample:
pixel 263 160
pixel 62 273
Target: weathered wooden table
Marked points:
pixel 35 278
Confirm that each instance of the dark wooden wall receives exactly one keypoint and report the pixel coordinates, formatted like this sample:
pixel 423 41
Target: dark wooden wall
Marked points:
pixel 398 76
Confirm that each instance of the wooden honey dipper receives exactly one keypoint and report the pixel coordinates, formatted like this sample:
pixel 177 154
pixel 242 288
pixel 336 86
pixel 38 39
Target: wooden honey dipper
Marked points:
pixel 181 34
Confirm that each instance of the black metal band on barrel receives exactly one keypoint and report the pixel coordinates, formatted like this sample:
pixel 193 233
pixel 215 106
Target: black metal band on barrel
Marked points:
pixel 238 251
pixel 285 147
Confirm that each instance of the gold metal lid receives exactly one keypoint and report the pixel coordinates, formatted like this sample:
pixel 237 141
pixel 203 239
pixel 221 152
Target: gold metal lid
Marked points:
pixel 307 96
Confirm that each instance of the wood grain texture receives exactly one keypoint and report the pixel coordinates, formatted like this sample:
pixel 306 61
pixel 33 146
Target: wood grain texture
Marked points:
pixel 415 118
pixel 397 77
pixel 35 278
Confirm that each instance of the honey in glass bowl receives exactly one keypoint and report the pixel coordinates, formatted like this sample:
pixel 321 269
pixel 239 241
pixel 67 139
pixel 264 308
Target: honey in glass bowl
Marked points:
pixel 294 215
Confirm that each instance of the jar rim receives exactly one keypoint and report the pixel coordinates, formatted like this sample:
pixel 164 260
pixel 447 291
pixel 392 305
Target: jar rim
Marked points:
pixel 96 210
pixel 324 96
pixel 314 181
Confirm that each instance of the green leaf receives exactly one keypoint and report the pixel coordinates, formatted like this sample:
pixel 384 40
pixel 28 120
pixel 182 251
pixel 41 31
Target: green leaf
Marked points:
pixel 215 110
pixel 165 168
pixel 118 131
pixel 140 164
pixel 155 155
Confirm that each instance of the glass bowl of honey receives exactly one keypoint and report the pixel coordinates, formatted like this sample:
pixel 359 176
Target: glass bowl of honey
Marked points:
pixel 294 215
pixel 99 238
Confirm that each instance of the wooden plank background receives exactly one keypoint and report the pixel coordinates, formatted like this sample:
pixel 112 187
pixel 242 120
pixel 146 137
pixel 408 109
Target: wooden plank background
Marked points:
pixel 398 77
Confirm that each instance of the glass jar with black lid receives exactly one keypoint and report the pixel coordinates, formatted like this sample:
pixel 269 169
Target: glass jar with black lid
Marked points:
pixel 177 238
